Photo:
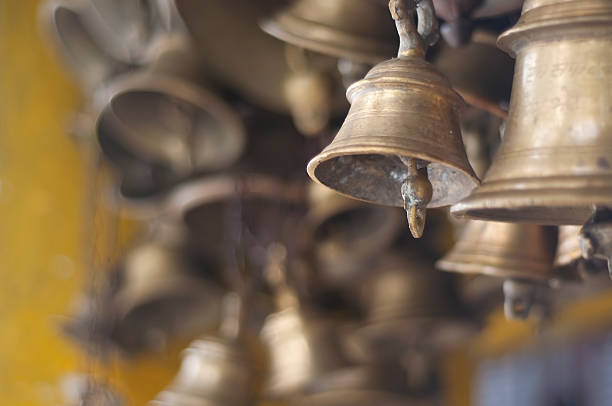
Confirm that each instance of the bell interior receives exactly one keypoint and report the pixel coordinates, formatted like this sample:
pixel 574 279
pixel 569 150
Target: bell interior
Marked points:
pixel 378 178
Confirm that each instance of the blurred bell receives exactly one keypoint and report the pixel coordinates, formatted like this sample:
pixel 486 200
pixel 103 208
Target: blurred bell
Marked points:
pixel 167 122
pixel 412 307
pixel 347 235
pixel 161 296
pixel 400 144
pixel 596 237
pixel 220 370
pixel 359 30
pixel 555 160
pixel 569 261
pixel 510 251
pixel 66 24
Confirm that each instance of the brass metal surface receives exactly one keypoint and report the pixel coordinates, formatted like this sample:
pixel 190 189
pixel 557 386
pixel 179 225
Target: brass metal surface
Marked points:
pixel 554 162
pixel 401 134
pixel 160 125
pixel 503 250
pixel 359 30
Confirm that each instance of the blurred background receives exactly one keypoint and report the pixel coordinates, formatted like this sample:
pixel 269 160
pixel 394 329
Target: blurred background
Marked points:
pixel 137 268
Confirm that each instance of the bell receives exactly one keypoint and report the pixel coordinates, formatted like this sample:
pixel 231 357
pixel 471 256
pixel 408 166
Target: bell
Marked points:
pixel 569 261
pixel 167 121
pixel 554 162
pixel 596 237
pixel 65 25
pixel 220 370
pixel 346 235
pixel 400 144
pixel 411 307
pixel 517 252
pixel 358 30
pixel 301 347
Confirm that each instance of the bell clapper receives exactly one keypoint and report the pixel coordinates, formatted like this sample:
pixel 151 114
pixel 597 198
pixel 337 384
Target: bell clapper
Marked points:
pixel 596 237
pixel 416 193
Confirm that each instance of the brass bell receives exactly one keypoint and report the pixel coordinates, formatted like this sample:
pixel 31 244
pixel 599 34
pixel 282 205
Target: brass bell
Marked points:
pixel 166 121
pixel 555 160
pixel 411 307
pixel 66 25
pixel 516 252
pixel 347 235
pixel 400 144
pixel 358 30
pixel 220 370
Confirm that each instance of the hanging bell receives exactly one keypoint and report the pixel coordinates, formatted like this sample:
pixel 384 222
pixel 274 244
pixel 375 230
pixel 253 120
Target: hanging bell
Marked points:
pixel 358 30
pixel 555 160
pixel 518 253
pixel 347 235
pixel 217 370
pixel 400 144
pixel 411 307
pixel 167 121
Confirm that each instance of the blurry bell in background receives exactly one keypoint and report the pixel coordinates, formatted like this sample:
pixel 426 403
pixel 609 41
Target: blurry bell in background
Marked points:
pixel 218 370
pixel 555 161
pixel 596 237
pixel 411 308
pixel 400 144
pixel 358 30
pixel 167 121
pixel 569 260
pixel 301 345
pixel 66 24
pixel 347 235
pixel 519 253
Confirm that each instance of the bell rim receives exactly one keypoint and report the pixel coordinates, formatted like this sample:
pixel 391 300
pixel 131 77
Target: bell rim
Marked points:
pixel 170 86
pixel 536 22
pixel 461 264
pixel 327 155
pixel 502 201
pixel 347 47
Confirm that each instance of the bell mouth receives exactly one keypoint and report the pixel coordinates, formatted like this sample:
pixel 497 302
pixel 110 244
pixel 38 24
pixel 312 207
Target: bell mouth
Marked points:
pixel 378 178
pixel 567 200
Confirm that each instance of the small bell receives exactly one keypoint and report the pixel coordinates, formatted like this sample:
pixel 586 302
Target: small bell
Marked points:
pixel 358 30
pixel 515 252
pixel 555 161
pixel 221 370
pixel 346 235
pixel 400 144
pixel 166 121
pixel 411 307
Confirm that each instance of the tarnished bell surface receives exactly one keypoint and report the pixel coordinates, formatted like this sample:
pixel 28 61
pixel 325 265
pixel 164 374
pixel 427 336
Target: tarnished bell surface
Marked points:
pixel 555 161
pixel 160 296
pixel 347 235
pixel 360 30
pixel 65 23
pixel 410 302
pixel 503 250
pixel 214 372
pixel 400 144
pixel 300 349
pixel 167 121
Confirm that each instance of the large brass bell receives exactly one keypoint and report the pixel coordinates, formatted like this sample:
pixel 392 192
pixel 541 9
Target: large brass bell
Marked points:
pixel 400 144
pixel 166 120
pixel 412 307
pixel 555 161
pixel 358 30
pixel 346 235
pixel 515 252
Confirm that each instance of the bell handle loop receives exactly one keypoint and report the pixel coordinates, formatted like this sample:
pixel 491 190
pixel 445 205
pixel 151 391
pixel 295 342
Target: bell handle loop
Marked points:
pixel 414 39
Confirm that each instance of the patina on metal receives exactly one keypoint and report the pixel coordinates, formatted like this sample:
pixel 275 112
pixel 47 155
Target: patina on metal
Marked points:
pixel 358 30
pixel 400 144
pixel 596 237
pixel 522 254
pixel 167 120
pixel 555 161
